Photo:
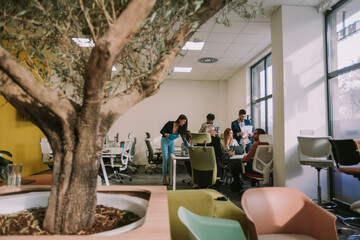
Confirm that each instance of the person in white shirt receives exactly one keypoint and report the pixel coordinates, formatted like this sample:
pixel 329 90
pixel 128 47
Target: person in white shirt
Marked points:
pixel 210 121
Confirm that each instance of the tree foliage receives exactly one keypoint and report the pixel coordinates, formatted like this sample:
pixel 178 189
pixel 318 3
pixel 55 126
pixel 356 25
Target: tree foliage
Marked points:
pixel 44 30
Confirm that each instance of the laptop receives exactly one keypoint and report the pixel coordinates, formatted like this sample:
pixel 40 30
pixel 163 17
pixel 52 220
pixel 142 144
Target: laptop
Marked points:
pixel 238 149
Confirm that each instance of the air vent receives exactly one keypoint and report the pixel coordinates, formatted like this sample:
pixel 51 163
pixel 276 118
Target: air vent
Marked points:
pixel 207 60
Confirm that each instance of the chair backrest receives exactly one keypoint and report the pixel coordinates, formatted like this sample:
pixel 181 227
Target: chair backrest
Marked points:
pixel 281 210
pixel 125 154
pixel 150 151
pixel 263 162
pixel 200 138
pixel 203 165
pixel 132 149
pixel 345 151
pixel 46 151
pixel 45 146
pixel 209 228
pixel 148 135
pixel 265 138
pixel 311 147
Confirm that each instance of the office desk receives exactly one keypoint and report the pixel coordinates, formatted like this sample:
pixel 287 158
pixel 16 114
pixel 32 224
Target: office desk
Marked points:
pixel 111 153
pixel 175 158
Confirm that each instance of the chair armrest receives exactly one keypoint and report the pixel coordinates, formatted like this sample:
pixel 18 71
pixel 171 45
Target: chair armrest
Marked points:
pixel 320 219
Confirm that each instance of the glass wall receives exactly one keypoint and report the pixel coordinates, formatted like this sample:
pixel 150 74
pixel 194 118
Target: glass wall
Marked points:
pixel 261 95
pixel 343 64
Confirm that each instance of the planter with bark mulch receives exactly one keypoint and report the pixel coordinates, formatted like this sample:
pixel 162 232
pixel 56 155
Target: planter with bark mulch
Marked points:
pixel 147 206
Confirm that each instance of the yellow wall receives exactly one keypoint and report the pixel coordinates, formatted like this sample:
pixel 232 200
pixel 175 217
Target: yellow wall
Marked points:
pixel 20 137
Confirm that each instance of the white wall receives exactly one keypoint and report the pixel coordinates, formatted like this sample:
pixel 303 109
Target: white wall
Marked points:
pixel 195 99
pixel 238 89
pixel 299 92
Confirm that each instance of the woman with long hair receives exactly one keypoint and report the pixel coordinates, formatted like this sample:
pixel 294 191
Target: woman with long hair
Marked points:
pixel 228 140
pixel 170 132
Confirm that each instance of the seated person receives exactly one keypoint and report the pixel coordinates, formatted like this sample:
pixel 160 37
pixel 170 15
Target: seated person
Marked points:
pixel 215 142
pixel 228 140
pixel 248 158
pixel 210 121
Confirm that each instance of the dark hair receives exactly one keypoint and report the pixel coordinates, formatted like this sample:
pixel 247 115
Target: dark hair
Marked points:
pixel 242 111
pixel 260 131
pixel 210 117
pixel 188 135
pixel 182 129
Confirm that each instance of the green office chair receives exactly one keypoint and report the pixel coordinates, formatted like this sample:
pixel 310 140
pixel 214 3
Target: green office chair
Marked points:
pixel 208 228
pixel 203 161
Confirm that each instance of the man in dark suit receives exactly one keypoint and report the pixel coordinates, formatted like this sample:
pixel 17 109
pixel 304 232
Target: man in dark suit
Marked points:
pixel 236 128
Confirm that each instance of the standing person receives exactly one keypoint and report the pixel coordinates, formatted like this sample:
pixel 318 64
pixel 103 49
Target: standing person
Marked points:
pixel 170 132
pixel 210 121
pixel 236 127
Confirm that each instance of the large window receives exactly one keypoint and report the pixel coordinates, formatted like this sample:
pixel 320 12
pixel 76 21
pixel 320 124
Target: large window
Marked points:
pixel 343 63
pixel 261 95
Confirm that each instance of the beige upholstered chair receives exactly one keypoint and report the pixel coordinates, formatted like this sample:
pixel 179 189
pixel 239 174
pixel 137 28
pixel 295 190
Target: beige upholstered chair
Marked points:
pixel 286 213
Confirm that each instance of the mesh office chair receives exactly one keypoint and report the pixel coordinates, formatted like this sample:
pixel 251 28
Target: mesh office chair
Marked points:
pixel 154 158
pixel 315 152
pixel 347 157
pixel 131 165
pixel 46 152
pixel 120 164
pixel 203 161
pixel 262 165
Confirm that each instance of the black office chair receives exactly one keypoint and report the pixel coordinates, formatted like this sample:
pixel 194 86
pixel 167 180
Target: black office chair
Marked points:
pixel 346 155
pixel 154 158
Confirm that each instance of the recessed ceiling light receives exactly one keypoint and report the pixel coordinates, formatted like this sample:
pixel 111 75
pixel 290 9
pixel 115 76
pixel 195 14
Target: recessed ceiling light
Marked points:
pixel 83 42
pixel 193 46
pixel 207 60
pixel 183 69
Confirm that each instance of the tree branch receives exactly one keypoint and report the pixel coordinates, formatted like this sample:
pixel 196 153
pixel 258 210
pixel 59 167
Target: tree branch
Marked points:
pixel 154 80
pixel 109 46
pixel 26 81
pixel 151 84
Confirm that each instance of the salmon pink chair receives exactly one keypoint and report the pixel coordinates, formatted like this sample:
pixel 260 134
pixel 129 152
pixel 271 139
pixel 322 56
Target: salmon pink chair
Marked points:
pixel 286 213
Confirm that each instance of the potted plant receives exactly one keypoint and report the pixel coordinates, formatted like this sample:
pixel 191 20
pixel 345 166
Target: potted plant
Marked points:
pixel 57 59
pixel 3 164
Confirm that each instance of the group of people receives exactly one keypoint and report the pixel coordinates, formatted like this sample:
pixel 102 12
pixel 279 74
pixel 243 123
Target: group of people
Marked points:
pixel 224 148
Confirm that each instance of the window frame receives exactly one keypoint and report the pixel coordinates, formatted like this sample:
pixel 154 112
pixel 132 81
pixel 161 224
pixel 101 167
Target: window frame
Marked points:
pixel 267 96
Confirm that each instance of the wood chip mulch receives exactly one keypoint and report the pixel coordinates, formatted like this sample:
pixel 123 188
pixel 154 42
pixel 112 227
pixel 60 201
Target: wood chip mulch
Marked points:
pixel 29 222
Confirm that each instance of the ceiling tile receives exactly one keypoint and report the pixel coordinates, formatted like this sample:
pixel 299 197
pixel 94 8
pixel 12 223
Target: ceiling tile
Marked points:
pixel 249 38
pixel 234 28
pixel 234 46
pixel 222 37
pixel 215 46
pixel 256 27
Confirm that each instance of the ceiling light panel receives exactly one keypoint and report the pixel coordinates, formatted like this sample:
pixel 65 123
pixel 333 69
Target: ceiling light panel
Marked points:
pixel 183 69
pixel 197 46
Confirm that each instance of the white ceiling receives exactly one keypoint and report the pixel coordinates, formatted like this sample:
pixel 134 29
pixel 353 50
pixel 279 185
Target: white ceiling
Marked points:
pixel 233 46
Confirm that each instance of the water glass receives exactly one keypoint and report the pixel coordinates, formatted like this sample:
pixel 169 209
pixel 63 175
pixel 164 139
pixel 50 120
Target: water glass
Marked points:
pixel 14 174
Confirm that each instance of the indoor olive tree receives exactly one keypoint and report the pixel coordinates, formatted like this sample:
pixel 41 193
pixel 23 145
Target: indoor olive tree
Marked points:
pixel 70 92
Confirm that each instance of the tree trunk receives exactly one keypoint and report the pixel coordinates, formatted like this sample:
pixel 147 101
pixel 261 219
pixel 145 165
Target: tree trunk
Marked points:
pixel 72 200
